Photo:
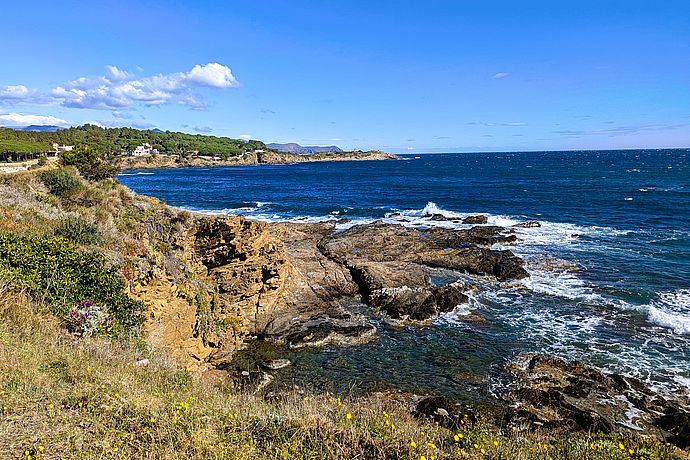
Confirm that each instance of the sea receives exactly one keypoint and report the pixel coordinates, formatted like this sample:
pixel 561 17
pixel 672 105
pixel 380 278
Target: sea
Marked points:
pixel 609 266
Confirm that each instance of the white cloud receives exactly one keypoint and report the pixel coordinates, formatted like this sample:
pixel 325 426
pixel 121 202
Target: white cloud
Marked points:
pixel 18 119
pixel 120 90
pixel 246 137
pixel 14 92
pixel 500 75
pixel 214 75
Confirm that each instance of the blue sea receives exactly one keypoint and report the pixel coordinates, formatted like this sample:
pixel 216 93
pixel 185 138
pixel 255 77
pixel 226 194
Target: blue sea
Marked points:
pixel 609 266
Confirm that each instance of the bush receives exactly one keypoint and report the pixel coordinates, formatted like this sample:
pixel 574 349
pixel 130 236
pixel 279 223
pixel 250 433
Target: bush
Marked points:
pixel 99 170
pixel 90 163
pixel 42 161
pixel 79 230
pixel 57 272
pixel 60 182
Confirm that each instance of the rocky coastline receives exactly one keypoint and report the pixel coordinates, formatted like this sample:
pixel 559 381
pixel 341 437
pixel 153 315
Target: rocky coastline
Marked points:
pixel 213 284
pixel 308 285
pixel 162 161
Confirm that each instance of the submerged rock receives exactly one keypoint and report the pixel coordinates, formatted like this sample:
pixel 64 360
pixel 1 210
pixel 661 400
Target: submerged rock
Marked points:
pixel 530 224
pixel 275 364
pixel 324 330
pixel 548 393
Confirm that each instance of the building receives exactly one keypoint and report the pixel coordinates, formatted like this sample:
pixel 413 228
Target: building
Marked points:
pixel 143 150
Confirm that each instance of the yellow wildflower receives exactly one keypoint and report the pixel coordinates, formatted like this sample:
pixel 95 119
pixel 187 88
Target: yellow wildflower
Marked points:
pixel 483 451
pixel 621 446
pixel 348 416
pixel 496 443
pixel 456 438
pixel 413 444
pixel 431 444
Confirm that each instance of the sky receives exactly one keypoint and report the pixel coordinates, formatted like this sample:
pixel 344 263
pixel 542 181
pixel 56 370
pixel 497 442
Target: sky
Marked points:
pixel 401 76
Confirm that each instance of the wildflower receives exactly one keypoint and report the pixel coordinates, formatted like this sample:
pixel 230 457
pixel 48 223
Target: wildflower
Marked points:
pixel 41 448
pixel 152 420
pixel 593 446
pixel 385 414
pixel 393 425
pixel 388 422
pixel 50 406
pixel 306 398
pixel 631 451
pixel 348 416
pixel 476 446
pixel 422 457
pixel 116 449
pixel 483 451
pixel 339 402
pixel 413 444
pixel 621 446
pixel 456 438
pixel 496 443
pixel 546 447
pixel 431 444
pixel 460 435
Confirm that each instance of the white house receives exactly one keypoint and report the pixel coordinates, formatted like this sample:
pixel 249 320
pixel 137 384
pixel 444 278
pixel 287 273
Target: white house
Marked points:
pixel 142 150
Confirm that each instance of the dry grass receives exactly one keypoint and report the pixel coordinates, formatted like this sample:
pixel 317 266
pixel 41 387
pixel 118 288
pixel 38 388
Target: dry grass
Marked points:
pixel 68 397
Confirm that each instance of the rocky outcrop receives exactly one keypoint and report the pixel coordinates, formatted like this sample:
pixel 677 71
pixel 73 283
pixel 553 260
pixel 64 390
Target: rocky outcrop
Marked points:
pixel 549 393
pixel 475 220
pixel 226 279
pixel 453 249
pixel 276 280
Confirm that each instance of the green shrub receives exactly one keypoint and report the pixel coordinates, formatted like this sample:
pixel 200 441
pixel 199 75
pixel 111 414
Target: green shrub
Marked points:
pixel 57 272
pixel 77 229
pixel 89 162
pixel 60 182
pixel 42 161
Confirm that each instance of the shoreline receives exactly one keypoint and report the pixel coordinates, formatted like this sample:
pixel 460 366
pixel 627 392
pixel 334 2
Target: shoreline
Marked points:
pixel 162 161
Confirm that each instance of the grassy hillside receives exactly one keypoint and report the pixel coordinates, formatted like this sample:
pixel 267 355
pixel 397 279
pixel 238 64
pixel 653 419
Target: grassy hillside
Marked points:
pixel 71 388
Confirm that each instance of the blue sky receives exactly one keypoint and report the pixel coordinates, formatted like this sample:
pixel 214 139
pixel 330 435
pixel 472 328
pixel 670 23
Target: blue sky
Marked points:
pixel 396 75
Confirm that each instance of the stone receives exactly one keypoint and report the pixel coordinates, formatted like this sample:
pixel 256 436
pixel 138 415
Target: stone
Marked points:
pixel 444 411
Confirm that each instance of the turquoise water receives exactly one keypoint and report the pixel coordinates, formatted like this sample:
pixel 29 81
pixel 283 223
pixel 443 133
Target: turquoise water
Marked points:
pixel 617 223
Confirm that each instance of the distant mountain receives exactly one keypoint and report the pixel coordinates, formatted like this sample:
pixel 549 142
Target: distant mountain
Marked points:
pixel 156 130
pixel 39 128
pixel 296 148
